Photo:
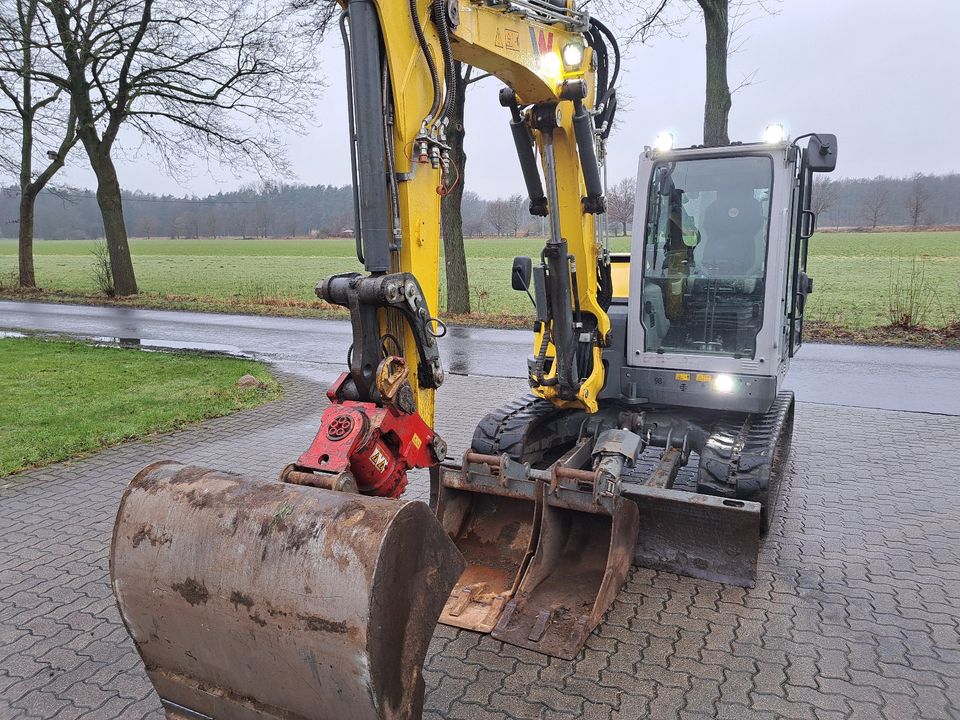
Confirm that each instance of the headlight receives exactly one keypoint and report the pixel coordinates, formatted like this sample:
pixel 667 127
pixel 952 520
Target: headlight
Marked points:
pixel 664 142
pixel 572 56
pixel 551 67
pixel 774 134
pixel 724 383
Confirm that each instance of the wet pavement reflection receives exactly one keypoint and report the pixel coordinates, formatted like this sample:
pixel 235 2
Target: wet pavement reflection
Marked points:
pixel 874 377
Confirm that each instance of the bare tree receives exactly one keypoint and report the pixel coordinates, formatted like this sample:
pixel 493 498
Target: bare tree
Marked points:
pixel 501 215
pixel 875 202
pixel 185 225
pixel 262 219
pixel 517 211
pixel 918 199
pixel 320 15
pixel 455 258
pixel 620 201
pixel 722 19
pixel 147 227
pixel 716 111
pixel 208 224
pixel 40 113
pixel 192 79
pixel 824 195
pixel 451 215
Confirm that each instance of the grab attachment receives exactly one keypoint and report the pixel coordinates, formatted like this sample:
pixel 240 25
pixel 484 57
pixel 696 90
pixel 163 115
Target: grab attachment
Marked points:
pixel 260 600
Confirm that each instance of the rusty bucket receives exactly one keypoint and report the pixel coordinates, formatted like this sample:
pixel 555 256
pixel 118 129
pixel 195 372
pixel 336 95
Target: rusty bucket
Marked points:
pixel 582 560
pixel 252 599
pixel 491 510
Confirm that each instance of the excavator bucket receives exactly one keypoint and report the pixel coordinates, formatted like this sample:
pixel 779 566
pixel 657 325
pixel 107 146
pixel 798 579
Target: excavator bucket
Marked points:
pixel 581 562
pixel 259 600
pixel 545 557
pixel 491 510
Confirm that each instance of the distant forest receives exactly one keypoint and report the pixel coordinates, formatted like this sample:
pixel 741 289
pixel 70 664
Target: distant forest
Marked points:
pixel 269 210
pixel 290 210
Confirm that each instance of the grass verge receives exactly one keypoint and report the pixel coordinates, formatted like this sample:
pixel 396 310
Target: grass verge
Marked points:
pixel 62 399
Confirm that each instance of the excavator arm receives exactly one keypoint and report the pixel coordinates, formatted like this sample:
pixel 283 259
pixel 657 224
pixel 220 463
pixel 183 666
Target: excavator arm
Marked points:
pixel 400 59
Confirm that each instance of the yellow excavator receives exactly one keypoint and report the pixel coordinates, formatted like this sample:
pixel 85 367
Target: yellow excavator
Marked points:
pixel 315 594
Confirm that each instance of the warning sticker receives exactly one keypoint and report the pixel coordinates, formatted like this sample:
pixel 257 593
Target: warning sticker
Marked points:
pixel 507 39
pixel 704 377
pixel 417 442
pixel 683 377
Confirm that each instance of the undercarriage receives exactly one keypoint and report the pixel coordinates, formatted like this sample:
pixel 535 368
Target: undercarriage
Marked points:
pixel 550 508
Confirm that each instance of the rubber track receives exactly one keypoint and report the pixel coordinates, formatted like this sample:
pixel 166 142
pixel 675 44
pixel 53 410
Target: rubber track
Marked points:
pixel 507 429
pixel 745 459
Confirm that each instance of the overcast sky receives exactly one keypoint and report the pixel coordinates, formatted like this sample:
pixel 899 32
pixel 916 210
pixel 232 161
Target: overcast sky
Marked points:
pixel 884 75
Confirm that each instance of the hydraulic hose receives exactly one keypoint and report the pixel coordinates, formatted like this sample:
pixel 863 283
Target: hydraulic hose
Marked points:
pixel 431 65
pixel 450 77
pixel 606 91
pixel 616 55
pixel 352 125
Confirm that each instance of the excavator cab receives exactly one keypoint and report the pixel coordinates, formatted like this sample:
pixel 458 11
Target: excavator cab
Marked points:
pixel 717 279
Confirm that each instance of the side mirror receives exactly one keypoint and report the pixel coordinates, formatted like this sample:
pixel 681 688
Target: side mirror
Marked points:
pixel 822 152
pixel 521 273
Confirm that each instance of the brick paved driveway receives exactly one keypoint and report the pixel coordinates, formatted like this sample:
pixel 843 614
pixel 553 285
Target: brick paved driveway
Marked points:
pixel 855 614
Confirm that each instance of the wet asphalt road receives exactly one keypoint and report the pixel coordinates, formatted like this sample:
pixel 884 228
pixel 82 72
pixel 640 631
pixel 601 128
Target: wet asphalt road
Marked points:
pixel 856 376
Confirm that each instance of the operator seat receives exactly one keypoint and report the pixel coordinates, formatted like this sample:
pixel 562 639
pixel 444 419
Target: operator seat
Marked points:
pixel 730 227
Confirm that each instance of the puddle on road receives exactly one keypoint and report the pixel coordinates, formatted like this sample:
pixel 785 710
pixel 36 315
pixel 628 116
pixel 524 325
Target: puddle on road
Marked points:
pixel 151 344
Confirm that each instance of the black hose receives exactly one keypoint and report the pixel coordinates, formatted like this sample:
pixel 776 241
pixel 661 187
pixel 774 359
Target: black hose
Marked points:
pixel 351 121
pixel 595 39
pixel 450 76
pixel 425 49
pixel 616 53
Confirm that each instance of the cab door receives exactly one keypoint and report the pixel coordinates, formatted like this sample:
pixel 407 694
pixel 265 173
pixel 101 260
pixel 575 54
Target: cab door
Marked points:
pixel 820 156
pixel 799 283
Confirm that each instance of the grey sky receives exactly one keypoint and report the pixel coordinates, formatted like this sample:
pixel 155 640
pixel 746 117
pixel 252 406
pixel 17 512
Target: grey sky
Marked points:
pixel 884 75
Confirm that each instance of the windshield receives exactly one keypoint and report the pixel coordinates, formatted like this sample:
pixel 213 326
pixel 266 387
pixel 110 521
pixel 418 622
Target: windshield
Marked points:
pixel 705 255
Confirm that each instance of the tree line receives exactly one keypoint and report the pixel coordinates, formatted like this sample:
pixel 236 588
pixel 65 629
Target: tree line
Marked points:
pixel 268 210
pixel 280 210
pixel 916 201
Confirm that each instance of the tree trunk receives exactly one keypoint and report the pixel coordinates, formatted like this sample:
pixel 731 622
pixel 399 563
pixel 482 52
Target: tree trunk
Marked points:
pixel 114 227
pixel 28 278
pixel 451 216
pixel 717 106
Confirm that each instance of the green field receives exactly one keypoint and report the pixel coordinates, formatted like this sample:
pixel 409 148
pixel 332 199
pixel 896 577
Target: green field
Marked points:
pixel 852 272
pixel 62 399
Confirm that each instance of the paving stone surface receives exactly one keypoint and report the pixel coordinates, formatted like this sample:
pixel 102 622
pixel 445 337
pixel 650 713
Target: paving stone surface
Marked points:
pixel 854 615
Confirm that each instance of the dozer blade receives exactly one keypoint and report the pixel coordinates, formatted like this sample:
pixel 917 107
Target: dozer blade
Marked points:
pixel 259 600
pixel 491 511
pixel 581 562
pixel 701 536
